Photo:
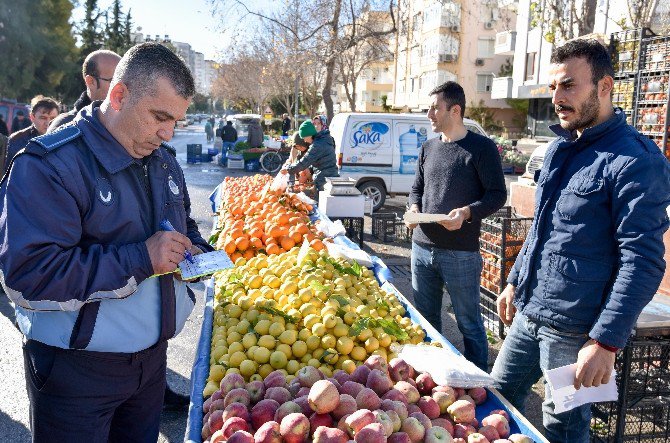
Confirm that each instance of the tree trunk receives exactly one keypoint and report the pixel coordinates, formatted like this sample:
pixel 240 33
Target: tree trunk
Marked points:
pixel 588 18
pixel 330 63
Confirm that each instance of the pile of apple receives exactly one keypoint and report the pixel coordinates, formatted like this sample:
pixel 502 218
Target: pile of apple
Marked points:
pixel 377 403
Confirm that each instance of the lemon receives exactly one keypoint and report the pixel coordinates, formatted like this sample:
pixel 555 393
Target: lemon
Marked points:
pixel 251 351
pixel 264 370
pixel 310 320
pixel 313 342
pixel 371 344
pixel 278 360
pixel 350 318
pixel 262 327
pixel 292 367
pixel 299 349
pixel 288 337
pixel 358 353
pixel 385 340
pixel 276 329
pixel 314 362
pixel 237 358
pixel 249 340
pixel 262 355
pixel 243 327
pixel 234 347
pixel 216 373
pixel 267 341
pixel 218 352
pixel 247 368
pixel 344 345
pixel 329 320
pixel 304 334
pixel 328 341
pixel 341 330
pixel 234 311
pixel 210 388
pixel 255 282
pixel 319 329
pixel 327 372
pixel 256 377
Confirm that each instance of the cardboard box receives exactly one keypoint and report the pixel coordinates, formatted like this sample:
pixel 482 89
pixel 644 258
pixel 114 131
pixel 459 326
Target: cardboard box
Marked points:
pixel 341 205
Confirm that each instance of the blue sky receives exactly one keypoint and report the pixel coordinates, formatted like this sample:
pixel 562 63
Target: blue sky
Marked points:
pixel 189 21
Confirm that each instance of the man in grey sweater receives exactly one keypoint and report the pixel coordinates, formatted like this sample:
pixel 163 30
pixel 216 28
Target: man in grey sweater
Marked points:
pixel 458 174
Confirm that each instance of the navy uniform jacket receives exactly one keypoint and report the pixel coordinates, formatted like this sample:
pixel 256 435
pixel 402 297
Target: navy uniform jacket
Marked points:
pixel 18 141
pixel 77 210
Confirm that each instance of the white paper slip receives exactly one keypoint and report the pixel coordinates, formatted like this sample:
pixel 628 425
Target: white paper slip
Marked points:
pixel 566 397
pixel 205 264
pixel 419 217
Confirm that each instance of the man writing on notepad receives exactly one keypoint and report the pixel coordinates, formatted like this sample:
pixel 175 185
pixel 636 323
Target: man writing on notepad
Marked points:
pixel 80 266
pixel 460 176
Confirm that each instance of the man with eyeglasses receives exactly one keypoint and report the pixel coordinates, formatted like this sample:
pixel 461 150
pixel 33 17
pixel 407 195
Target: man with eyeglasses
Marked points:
pixel 97 70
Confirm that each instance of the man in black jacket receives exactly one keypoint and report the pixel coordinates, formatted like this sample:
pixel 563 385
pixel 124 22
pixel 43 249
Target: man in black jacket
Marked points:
pixel 20 122
pixel 229 136
pixel 285 125
pixel 458 175
pixel 97 70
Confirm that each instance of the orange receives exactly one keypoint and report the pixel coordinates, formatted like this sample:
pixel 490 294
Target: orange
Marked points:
pixel 234 256
pixel 256 242
pixel 317 244
pixel 230 246
pixel 242 243
pixel 272 249
pixel 249 254
pixel 236 233
pixel 287 243
pixel 302 228
pixel 296 236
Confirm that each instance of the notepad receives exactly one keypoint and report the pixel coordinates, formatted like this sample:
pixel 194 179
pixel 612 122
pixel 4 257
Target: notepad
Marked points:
pixel 420 217
pixel 205 264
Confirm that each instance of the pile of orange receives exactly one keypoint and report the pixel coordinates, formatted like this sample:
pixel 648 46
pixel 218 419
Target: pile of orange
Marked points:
pixel 254 219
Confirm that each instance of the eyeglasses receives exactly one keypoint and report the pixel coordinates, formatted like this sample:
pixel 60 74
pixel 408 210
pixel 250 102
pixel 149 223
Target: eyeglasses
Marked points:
pixel 97 79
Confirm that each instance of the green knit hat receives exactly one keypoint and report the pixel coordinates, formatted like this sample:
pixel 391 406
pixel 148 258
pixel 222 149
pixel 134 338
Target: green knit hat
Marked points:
pixel 307 129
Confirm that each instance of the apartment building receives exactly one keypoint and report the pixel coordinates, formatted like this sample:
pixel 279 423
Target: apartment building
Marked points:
pixel 449 40
pixel 531 51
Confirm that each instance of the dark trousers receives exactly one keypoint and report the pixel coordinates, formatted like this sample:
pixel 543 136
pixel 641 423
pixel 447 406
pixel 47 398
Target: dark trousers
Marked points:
pixel 90 397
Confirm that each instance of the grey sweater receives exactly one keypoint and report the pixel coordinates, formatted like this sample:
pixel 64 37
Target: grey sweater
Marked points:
pixel 454 175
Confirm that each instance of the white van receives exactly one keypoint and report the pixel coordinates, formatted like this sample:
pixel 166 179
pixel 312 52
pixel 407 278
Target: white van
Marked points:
pixel 380 150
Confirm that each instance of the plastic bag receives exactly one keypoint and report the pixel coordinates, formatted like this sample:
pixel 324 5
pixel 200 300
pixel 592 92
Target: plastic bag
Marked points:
pixel 445 366
pixel 280 182
pixel 351 255
pixel 330 229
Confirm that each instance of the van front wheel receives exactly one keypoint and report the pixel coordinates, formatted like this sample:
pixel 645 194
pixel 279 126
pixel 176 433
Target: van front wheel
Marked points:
pixel 375 191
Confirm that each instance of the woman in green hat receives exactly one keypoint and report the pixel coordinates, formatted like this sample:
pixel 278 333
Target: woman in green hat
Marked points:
pixel 320 156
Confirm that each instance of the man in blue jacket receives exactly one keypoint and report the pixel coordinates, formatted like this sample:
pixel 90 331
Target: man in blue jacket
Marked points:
pixel 89 270
pixel 594 255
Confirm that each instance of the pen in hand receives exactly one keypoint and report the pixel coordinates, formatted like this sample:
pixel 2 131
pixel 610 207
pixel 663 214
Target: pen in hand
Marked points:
pixel 167 226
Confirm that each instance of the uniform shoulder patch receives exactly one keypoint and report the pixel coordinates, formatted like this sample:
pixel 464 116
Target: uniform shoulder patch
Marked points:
pixel 169 148
pixel 50 142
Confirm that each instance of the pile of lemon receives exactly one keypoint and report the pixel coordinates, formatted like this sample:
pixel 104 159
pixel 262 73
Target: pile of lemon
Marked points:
pixel 287 311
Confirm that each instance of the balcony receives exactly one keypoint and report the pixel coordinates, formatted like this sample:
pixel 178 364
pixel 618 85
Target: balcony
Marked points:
pixel 501 87
pixel 505 43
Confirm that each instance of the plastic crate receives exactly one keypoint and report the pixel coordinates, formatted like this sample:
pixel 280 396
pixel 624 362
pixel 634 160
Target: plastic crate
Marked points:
pixel 235 164
pixel 642 413
pixel 502 236
pixel 389 227
pixel 193 153
pixel 489 311
pixel 353 226
pixel 252 165
pixel 646 421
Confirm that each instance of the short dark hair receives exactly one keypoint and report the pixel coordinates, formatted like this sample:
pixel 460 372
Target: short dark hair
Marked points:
pixel 41 102
pixel 592 51
pixel 143 64
pixel 452 93
pixel 90 65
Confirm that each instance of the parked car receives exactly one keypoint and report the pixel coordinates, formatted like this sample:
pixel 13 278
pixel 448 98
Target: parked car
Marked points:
pixel 380 150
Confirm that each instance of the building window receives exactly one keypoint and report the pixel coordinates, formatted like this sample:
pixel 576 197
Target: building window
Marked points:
pixel 486 47
pixel 484 82
pixel 530 66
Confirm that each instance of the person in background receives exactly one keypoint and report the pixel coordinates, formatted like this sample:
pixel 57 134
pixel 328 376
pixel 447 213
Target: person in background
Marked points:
pixel 42 111
pixel 208 130
pixel 3 126
pixel 255 138
pixel 229 136
pixel 300 147
pixel 593 257
pixel 97 71
pixel 320 156
pixel 20 121
pixel 285 125
pixel 91 273
pixel 458 174
pixel 3 151
pixel 320 122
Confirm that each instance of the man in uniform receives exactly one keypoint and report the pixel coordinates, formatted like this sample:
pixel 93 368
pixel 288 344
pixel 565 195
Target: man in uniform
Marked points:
pixel 89 269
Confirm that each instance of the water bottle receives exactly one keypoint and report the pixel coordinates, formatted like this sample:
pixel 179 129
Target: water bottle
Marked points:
pixel 408 151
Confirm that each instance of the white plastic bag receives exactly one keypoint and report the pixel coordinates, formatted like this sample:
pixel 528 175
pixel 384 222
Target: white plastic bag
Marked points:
pixel 349 254
pixel 330 229
pixel 280 182
pixel 446 367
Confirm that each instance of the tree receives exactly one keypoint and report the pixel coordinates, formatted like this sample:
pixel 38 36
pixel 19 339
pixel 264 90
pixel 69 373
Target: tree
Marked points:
pixel 127 29
pixel 43 60
pixel 91 36
pixel 563 19
pixel 483 115
pixel 114 30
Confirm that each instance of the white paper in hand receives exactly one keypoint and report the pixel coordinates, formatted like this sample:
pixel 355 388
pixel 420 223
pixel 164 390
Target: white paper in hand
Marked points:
pixel 205 264
pixel 420 217
pixel 566 397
